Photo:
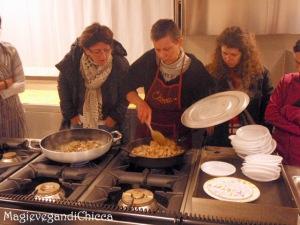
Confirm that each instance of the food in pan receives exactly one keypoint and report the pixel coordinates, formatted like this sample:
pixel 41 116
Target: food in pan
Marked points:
pixel 80 145
pixel 155 150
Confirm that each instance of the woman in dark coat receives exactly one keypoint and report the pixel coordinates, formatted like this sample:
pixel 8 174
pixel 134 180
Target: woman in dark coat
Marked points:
pixel 90 81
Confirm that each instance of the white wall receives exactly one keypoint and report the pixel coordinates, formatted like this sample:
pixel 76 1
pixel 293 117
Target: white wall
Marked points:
pixel 42 120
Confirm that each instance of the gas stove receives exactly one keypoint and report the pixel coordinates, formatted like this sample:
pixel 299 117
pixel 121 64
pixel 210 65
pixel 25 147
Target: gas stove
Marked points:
pixel 115 188
pixel 109 184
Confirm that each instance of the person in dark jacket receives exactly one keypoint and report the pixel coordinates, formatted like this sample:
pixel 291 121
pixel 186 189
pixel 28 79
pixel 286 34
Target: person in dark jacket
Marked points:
pixel 172 79
pixel 237 66
pixel 90 81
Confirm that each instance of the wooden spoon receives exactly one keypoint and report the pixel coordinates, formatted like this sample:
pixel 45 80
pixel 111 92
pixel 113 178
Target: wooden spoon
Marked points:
pixel 157 136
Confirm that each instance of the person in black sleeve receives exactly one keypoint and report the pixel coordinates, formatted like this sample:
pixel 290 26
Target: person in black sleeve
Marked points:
pixel 172 80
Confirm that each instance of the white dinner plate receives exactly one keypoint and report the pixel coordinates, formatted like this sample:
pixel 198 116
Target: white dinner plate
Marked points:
pixel 262 176
pixel 242 154
pixel 263 166
pixel 250 151
pixel 253 132
pixel 215 109
pixel 261 170
pixel 231 189
pixel 272 148
pixel 263 158
pixel 218 168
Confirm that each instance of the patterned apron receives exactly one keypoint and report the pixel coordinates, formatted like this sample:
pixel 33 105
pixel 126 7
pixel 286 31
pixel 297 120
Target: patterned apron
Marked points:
pixel 12 117
pixel 165 102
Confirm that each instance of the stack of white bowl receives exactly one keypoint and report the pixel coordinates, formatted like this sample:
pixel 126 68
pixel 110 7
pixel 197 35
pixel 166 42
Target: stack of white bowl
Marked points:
pixel 252 139
pixel 262 167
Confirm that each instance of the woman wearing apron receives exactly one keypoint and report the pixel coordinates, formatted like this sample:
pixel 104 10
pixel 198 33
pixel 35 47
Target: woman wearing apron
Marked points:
pixel 12 82
pixel 172 80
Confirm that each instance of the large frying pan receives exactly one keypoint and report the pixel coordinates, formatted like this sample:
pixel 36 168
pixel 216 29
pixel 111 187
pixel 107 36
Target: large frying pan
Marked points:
pixel 152 162
pixel 50 144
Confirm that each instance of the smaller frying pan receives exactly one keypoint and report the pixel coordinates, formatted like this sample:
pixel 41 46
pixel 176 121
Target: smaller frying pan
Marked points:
pixel 152 162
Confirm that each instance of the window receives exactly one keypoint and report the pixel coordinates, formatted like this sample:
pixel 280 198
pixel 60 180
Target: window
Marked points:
pixel 43 31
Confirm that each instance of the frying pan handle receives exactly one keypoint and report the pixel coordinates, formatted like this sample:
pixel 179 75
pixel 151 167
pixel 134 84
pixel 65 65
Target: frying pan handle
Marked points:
pixel 116 136
pixel 25 143
pixel 34 144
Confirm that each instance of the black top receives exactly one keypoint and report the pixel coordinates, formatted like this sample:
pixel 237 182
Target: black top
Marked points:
pixel 196 82
pixel 71 86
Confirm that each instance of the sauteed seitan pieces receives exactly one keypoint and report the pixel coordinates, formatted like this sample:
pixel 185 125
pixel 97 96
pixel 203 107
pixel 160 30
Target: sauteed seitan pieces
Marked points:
pixel 80 145
pixel 155 150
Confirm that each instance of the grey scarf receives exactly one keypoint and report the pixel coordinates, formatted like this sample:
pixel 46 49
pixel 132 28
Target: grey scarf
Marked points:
pixel 94 76
pixel 171 71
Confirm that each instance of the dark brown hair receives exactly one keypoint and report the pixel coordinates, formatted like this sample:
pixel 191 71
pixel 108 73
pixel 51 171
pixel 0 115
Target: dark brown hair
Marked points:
pixel 163 28
pixel 297 46
pixel 250 64
pixel 95 33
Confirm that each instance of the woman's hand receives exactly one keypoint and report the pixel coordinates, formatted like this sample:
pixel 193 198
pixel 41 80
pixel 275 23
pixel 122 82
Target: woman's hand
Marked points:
pixel 9 82
pixel 144 112
pixel 4 84
pixel 110 122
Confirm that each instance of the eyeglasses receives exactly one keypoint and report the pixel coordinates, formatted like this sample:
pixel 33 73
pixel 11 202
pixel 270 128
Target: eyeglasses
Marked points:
pixel 105 51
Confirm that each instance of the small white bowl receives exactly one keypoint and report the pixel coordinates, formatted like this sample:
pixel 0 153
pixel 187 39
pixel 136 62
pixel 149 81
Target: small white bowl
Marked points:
pixel 262 176
pixel 239 142
pixel 263 158
pixel 252 132
pixel 252 148
pixel 261 167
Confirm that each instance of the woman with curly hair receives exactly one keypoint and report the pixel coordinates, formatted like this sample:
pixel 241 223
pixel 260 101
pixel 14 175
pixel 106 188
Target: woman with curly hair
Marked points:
pixel 236 66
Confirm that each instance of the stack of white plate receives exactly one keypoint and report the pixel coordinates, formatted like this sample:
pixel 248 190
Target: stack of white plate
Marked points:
pixel 262 167
pixel 252 139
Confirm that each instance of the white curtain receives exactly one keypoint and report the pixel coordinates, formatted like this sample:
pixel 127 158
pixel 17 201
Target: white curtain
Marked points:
pixel 258 16
pixel 43 30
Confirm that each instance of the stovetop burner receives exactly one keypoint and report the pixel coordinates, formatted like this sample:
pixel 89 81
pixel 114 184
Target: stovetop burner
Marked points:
pixel 10 157
pixel 138 198
pixel 49 190
pixel 15 154
pixel 112 195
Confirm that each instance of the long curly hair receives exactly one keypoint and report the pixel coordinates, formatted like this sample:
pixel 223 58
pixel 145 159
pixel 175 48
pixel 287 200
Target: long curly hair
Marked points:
pixel 250 64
